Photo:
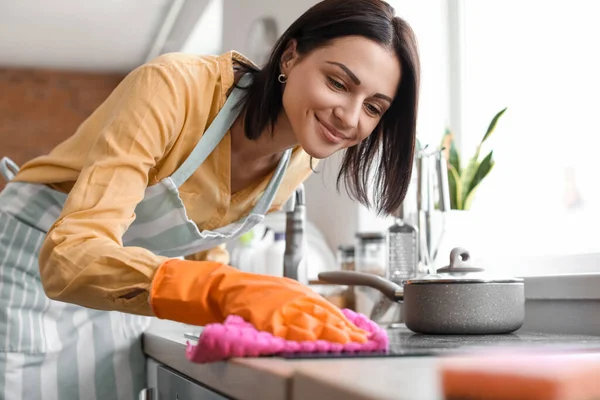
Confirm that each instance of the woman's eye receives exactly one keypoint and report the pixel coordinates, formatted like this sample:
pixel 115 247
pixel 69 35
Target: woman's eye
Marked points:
pixel 373 109
pixel 337 85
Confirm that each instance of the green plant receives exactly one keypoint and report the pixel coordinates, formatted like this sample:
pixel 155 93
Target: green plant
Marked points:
pixel 463 182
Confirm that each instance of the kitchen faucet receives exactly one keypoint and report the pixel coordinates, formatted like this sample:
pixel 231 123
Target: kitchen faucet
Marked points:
pixel 295 223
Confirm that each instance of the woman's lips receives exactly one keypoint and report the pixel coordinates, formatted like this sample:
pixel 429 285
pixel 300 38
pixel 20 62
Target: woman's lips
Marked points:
pixel 330 134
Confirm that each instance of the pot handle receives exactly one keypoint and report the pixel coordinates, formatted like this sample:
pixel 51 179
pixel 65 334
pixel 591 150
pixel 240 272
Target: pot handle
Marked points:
pixel 352 278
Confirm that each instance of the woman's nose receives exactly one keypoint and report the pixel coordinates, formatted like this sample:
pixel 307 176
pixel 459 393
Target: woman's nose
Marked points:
pixel 348 115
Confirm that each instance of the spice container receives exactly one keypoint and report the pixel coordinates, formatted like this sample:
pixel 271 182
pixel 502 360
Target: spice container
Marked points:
pixel 371 253
pixel 345 259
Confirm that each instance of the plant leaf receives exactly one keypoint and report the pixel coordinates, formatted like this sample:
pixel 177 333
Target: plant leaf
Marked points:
pixel 454 158
pixel 492 126
pixel 454 186
pixel 484 169
pixel 467 176
pixel 447 139
pixel 469 200
pixel 450 152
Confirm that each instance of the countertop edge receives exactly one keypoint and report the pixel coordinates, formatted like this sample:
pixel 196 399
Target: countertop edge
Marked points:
pixel 244 379
pixel 306 386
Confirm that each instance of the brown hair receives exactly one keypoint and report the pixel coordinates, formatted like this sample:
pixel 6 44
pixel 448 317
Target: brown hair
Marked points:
pixel 389 150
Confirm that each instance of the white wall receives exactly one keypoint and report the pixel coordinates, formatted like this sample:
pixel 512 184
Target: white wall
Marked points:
pixel 207 35
pixel 239 14
pixel 99 36
pixel 338 217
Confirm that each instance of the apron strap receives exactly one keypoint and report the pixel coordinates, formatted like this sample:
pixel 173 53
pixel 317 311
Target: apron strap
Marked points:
pixel 8 169
pixel 212 136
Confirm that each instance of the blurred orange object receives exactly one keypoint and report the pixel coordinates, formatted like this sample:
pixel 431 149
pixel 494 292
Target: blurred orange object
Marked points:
pixel 522 376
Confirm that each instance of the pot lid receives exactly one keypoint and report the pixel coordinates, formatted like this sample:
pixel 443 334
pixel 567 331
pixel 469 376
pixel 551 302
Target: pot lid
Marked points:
pixel 460 270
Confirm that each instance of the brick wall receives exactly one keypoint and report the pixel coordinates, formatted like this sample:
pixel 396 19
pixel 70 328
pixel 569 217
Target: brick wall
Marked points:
pixel 40 108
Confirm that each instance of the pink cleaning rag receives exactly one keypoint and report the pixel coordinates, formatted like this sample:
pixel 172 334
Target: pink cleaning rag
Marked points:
pixel 238 338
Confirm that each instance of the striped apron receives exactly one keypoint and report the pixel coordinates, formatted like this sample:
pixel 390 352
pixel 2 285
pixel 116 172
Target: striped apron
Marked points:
pixel 52 350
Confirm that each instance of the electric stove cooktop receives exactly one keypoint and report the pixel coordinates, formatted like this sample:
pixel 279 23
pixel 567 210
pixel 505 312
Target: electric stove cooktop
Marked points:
pixel 406 343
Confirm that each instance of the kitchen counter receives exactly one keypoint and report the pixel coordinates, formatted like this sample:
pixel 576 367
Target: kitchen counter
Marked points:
pixel 408 375
pixel 243 378
pixel 406 378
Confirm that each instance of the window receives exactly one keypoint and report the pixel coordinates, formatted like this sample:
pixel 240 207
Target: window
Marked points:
pixel 541 60
pixel 537 212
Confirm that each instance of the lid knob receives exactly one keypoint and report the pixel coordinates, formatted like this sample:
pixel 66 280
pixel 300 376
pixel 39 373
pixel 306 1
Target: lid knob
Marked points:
pixel 459 258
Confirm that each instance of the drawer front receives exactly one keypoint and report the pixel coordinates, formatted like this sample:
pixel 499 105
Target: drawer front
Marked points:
pixel 174 386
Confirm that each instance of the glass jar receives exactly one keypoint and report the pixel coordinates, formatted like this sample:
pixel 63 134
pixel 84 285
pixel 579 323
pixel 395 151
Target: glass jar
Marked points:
pixel 371 258
pixel 345 260
pixel 345 257
pixel 371 253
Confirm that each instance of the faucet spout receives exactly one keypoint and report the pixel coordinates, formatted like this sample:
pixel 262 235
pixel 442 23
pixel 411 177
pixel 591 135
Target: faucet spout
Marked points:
pixel 294 233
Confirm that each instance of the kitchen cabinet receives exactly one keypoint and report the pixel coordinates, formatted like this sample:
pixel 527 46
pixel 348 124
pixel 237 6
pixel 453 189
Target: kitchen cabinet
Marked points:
pixel 172 385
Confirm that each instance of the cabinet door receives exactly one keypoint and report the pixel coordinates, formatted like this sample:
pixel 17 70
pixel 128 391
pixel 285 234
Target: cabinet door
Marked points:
pixel 174 386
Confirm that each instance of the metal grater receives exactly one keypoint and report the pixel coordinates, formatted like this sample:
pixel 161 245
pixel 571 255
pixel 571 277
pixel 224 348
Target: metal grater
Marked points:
pixel 403 249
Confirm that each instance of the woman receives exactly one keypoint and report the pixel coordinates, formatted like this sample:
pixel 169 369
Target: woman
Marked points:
pixel 186 153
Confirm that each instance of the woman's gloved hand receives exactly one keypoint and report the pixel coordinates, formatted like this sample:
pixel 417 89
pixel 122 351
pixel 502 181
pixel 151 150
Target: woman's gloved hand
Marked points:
pixel 203 292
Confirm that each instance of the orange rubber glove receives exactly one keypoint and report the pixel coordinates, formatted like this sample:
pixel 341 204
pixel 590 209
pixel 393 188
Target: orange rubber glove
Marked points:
pixel 203 292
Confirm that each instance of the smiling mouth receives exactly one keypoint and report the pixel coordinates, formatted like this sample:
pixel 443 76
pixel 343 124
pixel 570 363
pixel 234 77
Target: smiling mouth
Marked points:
pixel 330 134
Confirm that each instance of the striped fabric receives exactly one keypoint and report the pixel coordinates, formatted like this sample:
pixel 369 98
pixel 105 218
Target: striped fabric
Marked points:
pixel 52 350
pixel 162 226
pixel 49 349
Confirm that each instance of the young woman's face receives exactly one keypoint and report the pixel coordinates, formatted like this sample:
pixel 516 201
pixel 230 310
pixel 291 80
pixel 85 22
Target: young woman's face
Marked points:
pixel 336 95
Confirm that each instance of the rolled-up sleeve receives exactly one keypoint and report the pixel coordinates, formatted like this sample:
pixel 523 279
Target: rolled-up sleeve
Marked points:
pixel 83 260
pixel 217 254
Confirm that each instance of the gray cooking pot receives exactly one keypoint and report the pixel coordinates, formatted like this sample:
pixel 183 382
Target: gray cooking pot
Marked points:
pixel 457 299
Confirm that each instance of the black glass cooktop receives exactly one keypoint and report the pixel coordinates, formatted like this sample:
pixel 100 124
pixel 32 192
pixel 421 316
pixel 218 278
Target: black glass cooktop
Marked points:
pixel 404 342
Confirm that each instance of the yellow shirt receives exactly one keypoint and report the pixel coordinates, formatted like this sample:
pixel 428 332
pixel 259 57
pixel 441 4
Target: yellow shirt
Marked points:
pixel 141 134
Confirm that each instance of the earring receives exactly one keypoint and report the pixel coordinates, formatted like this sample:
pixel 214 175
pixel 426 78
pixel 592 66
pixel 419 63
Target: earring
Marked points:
pixel 282 78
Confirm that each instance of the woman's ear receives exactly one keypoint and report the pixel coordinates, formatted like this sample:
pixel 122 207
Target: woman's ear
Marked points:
pixel 289 57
